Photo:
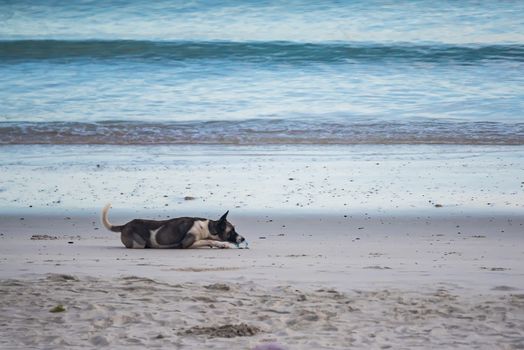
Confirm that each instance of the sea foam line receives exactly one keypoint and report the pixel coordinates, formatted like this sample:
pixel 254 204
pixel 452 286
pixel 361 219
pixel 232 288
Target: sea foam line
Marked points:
pixel 262 131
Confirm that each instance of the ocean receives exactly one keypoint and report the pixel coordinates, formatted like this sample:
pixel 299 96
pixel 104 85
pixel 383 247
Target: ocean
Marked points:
pixel 261 72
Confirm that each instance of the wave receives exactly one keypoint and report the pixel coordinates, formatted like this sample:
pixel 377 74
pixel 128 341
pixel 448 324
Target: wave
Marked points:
pixel 272 51
pixel 262 131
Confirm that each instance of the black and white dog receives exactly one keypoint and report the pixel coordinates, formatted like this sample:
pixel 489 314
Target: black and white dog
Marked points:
pixel 179 233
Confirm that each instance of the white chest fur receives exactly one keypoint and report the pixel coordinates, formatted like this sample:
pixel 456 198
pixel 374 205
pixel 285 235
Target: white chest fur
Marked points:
pixel 200 229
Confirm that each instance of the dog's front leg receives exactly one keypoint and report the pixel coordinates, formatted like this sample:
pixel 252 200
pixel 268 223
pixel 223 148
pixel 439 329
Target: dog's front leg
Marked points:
pixel 202 243
pixel 188 241
pixel 211 244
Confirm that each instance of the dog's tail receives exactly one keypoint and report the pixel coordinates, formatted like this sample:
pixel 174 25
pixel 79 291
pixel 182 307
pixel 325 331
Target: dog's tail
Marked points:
pixel 106 222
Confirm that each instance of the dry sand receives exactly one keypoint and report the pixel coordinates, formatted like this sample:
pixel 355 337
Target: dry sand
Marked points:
pixel 412 261
pixel 138 312
pixel 397 282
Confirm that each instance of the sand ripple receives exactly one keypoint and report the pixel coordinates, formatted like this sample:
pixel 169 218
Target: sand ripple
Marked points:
pixel 140 312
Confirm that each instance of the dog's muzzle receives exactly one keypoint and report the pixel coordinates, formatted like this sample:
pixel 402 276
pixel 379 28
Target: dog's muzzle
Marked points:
pixel 240 239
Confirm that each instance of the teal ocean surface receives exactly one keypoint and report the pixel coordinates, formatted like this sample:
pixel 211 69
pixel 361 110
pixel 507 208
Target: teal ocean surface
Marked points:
pixel 261 72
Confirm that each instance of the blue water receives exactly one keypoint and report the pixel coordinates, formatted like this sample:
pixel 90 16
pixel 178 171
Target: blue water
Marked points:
pixel 261 72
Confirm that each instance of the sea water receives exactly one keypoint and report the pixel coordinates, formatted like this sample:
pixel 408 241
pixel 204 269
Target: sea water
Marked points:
pixel 261 72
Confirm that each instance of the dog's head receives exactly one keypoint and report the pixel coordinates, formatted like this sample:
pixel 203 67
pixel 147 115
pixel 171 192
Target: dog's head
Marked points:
pixel 226 231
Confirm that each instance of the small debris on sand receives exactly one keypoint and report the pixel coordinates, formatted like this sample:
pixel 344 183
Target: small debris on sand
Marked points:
pixel 42 237
pixel 189 198
pixel 58 308
pixel 61 277
pixel 376 267
pixel 225 331
pixel 494 268
pixel 218 286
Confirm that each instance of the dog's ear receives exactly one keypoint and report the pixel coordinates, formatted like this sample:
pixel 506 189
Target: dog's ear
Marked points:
pixel 223 218
pixel 222 221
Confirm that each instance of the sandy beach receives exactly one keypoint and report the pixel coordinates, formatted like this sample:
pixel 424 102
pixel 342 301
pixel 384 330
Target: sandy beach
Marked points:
pixel 421 256
pixel 370 153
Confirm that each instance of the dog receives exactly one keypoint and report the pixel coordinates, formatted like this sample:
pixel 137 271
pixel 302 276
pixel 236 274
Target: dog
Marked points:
pixel 178 233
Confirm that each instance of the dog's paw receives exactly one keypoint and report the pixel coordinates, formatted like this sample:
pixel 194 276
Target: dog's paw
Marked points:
pixel 223 246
